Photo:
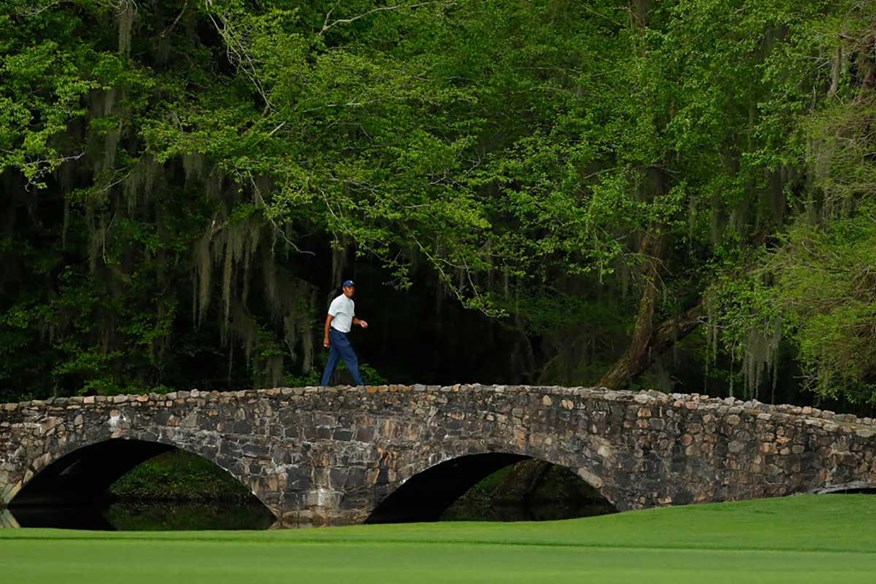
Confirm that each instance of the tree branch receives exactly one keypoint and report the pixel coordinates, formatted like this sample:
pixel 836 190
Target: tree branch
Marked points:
pixel 326 25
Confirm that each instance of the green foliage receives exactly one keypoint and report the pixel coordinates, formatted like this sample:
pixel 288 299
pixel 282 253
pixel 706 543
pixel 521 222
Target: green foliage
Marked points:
pixel 179 178
pixel 525 492
pixel 825 287
pixel 130 516
pixel 178 476
pixel 813 289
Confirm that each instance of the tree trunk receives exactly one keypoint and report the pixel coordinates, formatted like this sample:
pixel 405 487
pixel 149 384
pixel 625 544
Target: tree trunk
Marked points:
pixel 673 330
pixel 640 355
pixel 523 481
pixel 637 354
pixel 640 12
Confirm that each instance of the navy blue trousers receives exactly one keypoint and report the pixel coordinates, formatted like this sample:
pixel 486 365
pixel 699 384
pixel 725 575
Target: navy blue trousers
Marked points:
pixel 341 348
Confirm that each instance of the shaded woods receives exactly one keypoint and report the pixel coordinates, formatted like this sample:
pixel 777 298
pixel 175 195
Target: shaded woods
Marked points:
pixel 676 195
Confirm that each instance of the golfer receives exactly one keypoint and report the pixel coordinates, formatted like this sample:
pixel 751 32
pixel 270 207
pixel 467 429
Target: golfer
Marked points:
pixel 341 318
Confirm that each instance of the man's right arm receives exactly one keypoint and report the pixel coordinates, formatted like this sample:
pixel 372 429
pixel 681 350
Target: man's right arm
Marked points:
pixel 328 321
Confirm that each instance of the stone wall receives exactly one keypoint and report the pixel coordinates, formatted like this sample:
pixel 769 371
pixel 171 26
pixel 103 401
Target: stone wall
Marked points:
pixel 330 455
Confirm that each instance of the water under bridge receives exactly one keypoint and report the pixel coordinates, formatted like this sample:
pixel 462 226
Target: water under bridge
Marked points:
pixel 331 456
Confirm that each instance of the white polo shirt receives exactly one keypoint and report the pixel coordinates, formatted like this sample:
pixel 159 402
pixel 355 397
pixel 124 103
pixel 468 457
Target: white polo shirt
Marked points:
pixel 343 310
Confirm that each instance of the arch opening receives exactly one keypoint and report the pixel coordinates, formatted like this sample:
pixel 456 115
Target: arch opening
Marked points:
pixel 137 485
pixel 856 488
pixel 492 487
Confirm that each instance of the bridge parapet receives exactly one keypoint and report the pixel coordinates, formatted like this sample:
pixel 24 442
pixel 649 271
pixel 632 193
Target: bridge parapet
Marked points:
pixel 332 455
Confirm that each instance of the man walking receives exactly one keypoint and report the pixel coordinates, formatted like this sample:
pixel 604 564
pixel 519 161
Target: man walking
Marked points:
pixel 341 318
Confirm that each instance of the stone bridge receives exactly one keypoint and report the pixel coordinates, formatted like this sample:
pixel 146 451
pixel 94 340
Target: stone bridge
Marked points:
pixel 329 456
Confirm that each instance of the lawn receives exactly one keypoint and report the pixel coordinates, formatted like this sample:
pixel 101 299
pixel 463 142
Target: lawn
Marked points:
pixel 826 538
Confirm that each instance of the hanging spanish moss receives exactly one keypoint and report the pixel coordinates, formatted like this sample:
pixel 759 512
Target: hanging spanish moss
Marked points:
pixel 241 247
pixel 760 359
pixel 127 11
pixel 139 185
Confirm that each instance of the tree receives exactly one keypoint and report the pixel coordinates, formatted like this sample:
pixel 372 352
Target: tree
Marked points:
pixel 599 178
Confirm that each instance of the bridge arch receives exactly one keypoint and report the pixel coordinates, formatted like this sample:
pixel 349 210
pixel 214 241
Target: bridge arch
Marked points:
pixel 82 472
pixel 426 491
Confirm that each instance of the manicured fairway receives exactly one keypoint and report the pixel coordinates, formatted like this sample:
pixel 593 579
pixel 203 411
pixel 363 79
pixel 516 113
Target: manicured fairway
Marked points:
pixel 799 539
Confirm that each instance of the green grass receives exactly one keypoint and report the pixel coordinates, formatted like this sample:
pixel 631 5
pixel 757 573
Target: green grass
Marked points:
pixel 798 539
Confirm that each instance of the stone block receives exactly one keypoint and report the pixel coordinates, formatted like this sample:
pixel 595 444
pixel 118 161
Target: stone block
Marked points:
pixel 342 435
pixel 768 448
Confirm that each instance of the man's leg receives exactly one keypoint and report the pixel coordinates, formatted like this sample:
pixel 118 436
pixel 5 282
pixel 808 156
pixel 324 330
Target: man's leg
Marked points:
pixel 330 364
pixel 346 352
pixel 353 366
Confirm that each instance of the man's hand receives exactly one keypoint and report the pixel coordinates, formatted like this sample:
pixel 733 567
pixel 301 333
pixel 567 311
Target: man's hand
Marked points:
pixel 325 342
pixel 363 324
